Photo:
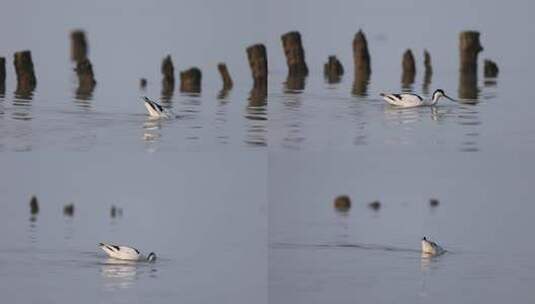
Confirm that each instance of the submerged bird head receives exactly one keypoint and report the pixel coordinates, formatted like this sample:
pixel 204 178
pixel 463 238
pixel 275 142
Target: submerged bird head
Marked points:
pixel 440 93
pixel 151 257
pixel 145 98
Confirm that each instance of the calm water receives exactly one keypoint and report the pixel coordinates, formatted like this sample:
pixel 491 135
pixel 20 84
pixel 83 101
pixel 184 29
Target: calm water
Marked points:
pixel 236 195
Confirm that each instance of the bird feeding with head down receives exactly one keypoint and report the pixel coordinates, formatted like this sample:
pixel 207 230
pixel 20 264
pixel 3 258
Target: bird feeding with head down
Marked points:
pixel 409 100
pixel 126 253
pixel 155 110
pixel 431 248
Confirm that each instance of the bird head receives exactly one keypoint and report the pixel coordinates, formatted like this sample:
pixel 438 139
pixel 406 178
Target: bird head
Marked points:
pixel 151 257
pixel 440 93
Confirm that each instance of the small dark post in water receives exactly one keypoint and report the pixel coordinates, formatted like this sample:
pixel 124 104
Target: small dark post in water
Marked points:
pixel 469 48
pixel 295 54
pixel 375 205
pixel 168 81
pixel 434 202
pixel 34 205
pixel 26 81
pixel 2 75
pixel 491 69
pixel 79 46
pixel 86 78
pixel 333 69
pixel 190 80
pixel 342 203
pixel 225 76
pixel 428 72
pixel 257 56
pixel 362 64
pixel 68 210
pixel 409 69
pixel 142 83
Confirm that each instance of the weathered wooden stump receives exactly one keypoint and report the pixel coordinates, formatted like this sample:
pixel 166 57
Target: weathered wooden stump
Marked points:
pixel 68 210
pixel 79 46
pixel 361 55
pixel 86 78
pixel 34 205
pixel 375 205
pixel 333 69
pixel 258 97
pixel 2 75
pixel 2 70
pixel 295 84
pixel 26 81
pixel 190 80
pixel 469 48
pixel 142 83
pixel 362 64
pixel 428 72
pixel 295 54
pixel 342 203
pixel 225 76
pixel 409 69
pixel 258 62
pixel 490 69
pixel 168 79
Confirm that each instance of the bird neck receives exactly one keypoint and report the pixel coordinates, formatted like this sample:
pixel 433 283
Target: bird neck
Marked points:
pixel 435 99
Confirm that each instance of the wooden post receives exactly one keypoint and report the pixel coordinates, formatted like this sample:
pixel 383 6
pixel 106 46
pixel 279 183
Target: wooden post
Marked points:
pixel 26 81
pixel 342 203
pixel 143 83
pixel 2 75
pixel 225 76
pixel 295 54
pixel 168 80
pixel 79 46
pixel 362 64
pixel 333 69
pixel 491 69
pixel 190 80
pixel 34 205
pixel 86 79
pixel 428 72
pixel 257 56
pixel 469 48
pixel 409 69
pixel 361 55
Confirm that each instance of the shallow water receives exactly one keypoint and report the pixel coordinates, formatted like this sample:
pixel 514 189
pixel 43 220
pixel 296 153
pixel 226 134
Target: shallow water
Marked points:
pixel 235 196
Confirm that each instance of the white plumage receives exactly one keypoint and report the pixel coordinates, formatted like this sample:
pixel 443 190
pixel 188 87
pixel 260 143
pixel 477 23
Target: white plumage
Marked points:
pixel 156 110
pixel 126 253
pixel 408 100
pixel 431 248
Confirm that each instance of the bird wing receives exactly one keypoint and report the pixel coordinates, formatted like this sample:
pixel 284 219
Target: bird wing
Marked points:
pixel 403 100
pixel 120 252
pixel 154 105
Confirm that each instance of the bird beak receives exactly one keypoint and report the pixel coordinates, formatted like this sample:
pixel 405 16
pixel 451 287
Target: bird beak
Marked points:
pixel 450 98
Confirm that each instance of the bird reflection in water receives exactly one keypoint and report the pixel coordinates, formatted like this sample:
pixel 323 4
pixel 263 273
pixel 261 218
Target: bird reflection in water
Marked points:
pixel 120 274
pixel 151 130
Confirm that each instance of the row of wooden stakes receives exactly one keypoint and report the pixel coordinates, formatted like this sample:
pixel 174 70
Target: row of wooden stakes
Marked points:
pixel 190 80
pixel 68 210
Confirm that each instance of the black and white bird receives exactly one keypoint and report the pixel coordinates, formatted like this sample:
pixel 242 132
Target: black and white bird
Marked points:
pixel 408 100
pixel 431 248
pixel 126 253
pixel 156 110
